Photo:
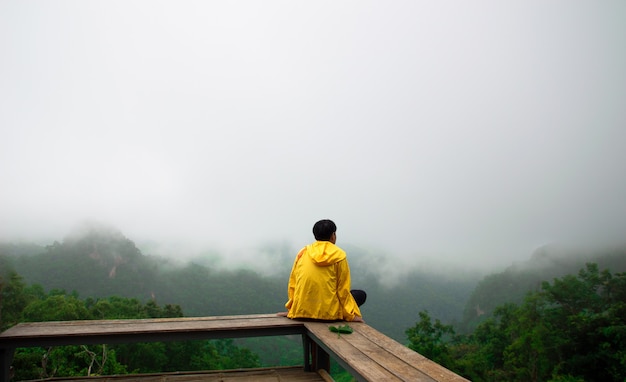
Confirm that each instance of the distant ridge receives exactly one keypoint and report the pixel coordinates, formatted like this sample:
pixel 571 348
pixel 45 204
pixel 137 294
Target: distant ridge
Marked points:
pixel 545 264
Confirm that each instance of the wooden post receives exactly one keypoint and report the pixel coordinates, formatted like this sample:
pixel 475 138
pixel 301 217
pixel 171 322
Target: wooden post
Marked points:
pixel 321 359
pixel 315 358
pixel 6 359
pixel 306 345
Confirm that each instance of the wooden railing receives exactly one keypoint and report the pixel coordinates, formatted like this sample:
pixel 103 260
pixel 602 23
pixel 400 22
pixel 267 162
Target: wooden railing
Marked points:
pixel 366 353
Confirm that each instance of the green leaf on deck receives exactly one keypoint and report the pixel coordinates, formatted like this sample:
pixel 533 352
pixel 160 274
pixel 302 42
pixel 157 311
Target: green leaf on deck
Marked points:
pixel 345 329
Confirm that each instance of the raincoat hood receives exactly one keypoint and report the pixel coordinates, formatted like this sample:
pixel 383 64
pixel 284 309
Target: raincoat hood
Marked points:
pixel 325 253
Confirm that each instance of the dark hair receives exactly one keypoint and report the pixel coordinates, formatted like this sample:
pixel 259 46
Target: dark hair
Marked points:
pixel 323 230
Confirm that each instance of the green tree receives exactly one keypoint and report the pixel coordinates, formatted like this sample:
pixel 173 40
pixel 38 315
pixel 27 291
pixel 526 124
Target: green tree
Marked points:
pixel 527 357
pixel 431 340
pixel 480 356
pixel 56 307
pixel 572 329
pixel 588 313
pixel 13 299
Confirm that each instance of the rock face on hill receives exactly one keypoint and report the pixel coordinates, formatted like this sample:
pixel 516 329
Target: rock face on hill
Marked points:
pixel 98 261
pixel 95 260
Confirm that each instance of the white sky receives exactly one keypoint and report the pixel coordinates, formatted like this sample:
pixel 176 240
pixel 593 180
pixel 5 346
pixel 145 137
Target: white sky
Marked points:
pixel 438 129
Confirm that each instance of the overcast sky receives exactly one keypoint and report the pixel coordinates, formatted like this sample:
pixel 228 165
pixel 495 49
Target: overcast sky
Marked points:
pixel 475 130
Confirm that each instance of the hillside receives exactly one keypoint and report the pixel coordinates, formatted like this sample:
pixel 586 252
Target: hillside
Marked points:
pixel 545 264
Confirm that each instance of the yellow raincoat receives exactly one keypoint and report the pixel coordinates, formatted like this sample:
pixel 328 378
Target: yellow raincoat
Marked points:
pixel 319 285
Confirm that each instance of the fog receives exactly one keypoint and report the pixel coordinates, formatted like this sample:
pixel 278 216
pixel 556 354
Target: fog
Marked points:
pixel 467 133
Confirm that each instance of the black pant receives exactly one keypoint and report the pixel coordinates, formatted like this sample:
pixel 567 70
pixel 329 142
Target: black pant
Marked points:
pixel 359 296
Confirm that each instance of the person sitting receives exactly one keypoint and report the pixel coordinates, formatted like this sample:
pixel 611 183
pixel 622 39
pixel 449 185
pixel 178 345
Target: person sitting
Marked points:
pixel 319 283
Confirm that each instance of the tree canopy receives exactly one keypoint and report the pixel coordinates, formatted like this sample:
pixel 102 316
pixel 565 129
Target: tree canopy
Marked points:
pixel 20 303
pixel 573 329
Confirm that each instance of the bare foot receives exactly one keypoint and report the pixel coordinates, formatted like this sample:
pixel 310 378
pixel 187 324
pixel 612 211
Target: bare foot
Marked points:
pixel 282 314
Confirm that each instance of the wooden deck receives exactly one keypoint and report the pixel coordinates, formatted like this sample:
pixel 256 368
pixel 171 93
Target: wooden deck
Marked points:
pixel 366 353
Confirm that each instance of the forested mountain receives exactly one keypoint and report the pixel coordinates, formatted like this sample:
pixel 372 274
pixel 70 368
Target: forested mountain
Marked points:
pixel 546 263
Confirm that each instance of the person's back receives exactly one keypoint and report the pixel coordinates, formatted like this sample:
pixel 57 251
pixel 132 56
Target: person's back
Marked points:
pixel 319 284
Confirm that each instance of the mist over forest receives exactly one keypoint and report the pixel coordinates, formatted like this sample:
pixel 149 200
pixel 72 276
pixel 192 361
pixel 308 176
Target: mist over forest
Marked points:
pixel 469 152
pixel 438 311
pixel 97 260
pixel 467 134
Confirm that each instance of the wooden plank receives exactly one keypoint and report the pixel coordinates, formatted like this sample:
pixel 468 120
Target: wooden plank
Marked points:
pixel 288 373
pixel 425 365
pixel 387 357
pixel 146 330
pixel 88 327
pixel 372 356
pixel 349 357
